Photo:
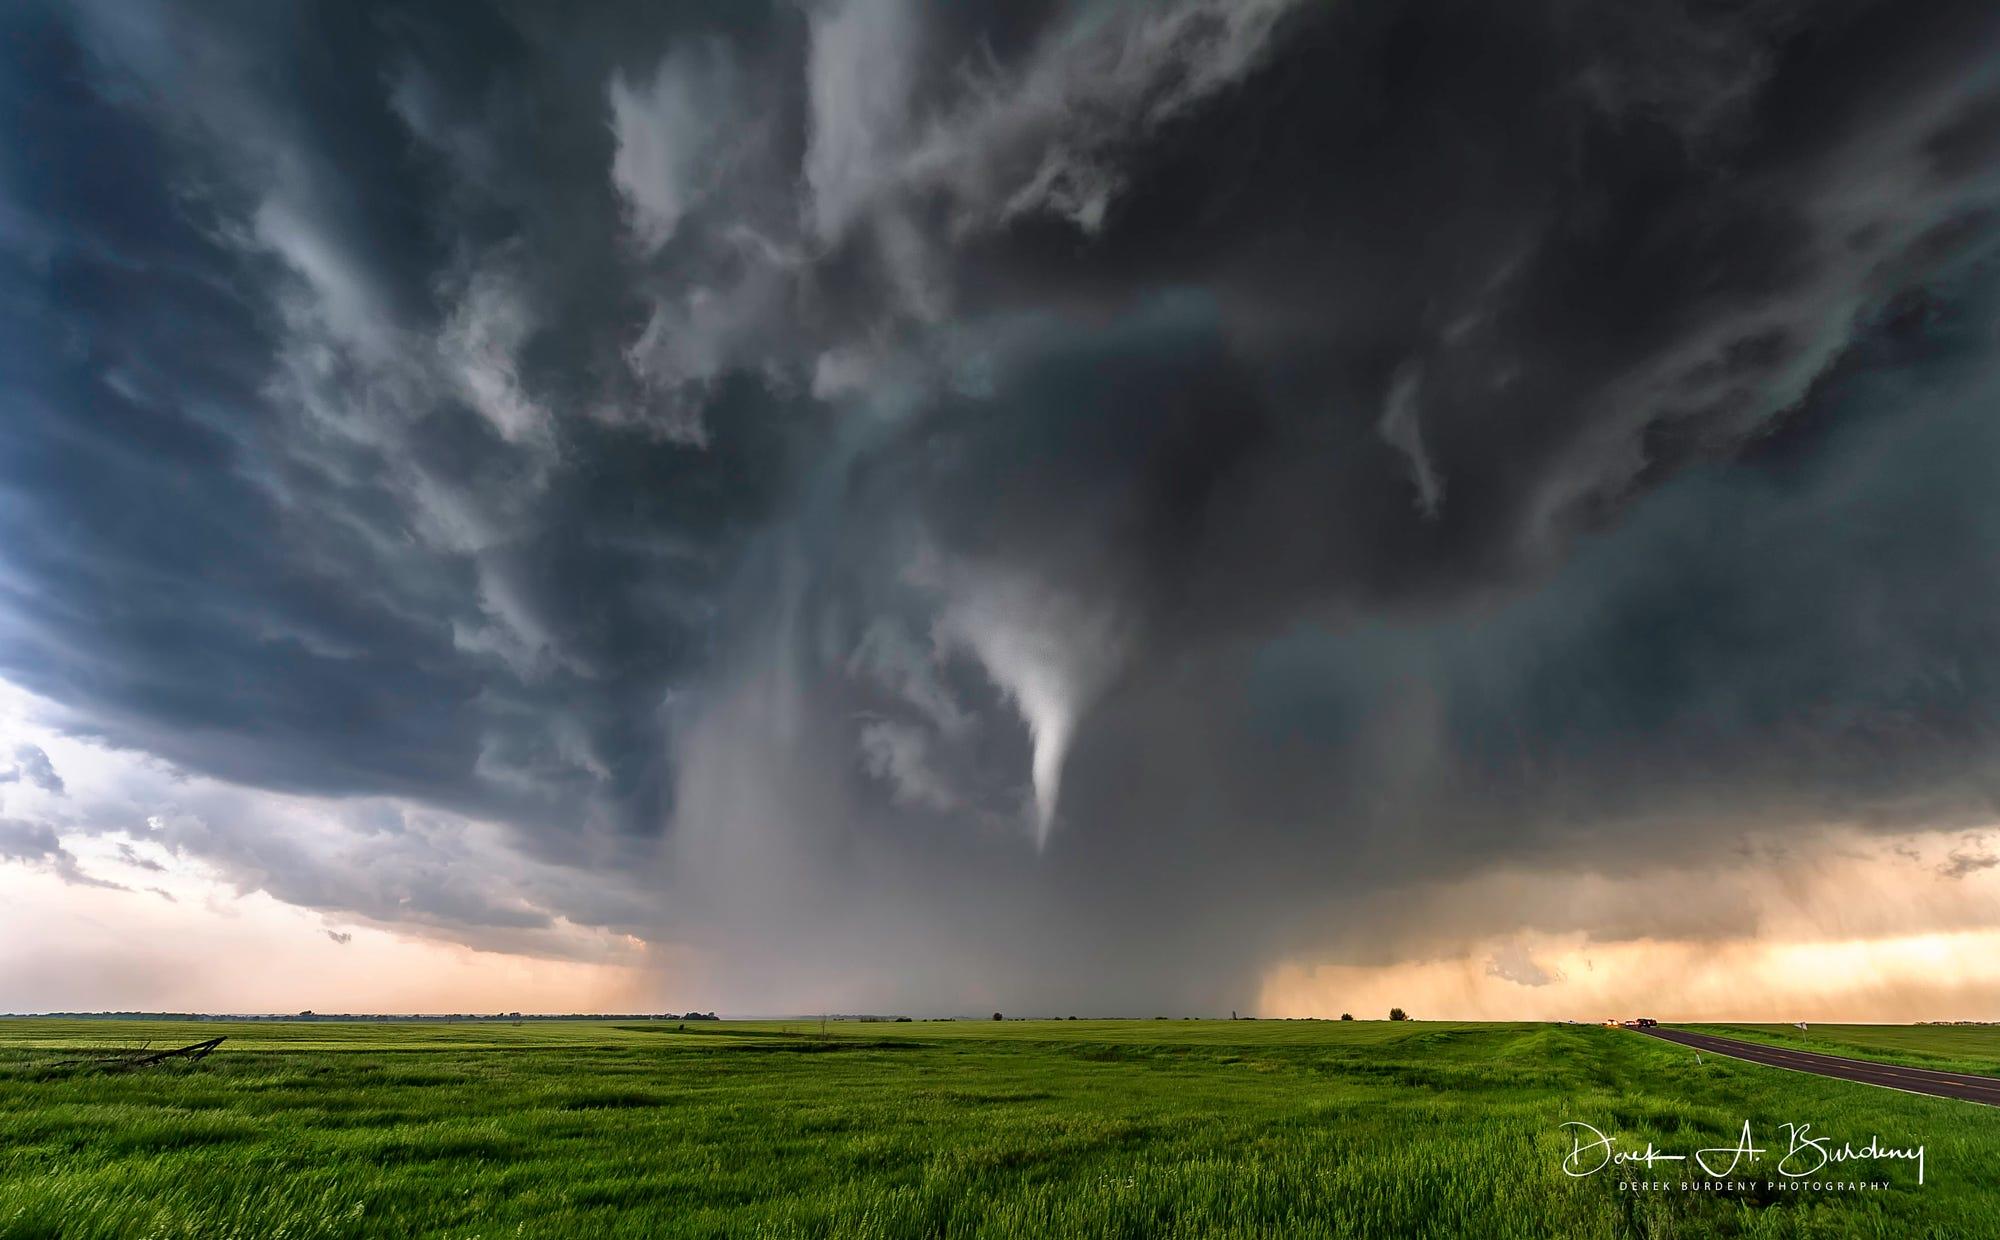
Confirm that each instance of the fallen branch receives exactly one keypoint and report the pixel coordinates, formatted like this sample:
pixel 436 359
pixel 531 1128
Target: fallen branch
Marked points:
pixel 125 1061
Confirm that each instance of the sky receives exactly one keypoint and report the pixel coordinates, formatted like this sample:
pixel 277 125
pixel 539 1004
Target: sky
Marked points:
pixel 1059 506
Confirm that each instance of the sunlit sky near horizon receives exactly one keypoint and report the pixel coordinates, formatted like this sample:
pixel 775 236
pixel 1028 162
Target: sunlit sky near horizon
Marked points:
pixel 1875 929
pixel 1066 507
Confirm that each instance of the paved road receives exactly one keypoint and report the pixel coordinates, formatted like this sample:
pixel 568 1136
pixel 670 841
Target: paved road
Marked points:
pixel 1984 1089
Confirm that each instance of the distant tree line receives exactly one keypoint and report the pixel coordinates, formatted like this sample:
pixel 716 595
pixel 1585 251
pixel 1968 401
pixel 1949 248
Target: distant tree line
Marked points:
pixel 404 1018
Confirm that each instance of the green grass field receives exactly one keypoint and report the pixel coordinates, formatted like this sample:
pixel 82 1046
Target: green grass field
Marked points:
pixel 1947 1048
pixel 1085 1128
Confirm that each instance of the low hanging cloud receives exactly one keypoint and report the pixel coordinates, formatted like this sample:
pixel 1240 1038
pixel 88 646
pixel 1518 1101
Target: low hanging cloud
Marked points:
pixel 33 767
pixel 1512 963
pixel 36 844
pixel 130 856
pixel 1970 859
pixel 939 504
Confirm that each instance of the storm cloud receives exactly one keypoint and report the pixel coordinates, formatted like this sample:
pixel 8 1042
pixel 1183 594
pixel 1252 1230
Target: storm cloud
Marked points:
pixel 1051 504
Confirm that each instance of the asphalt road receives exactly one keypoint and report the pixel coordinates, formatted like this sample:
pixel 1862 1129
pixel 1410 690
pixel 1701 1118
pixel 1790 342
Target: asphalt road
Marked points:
pixel 1984 1089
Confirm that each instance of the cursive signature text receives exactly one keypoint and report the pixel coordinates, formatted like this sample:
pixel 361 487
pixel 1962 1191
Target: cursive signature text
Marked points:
pixel 1804 1153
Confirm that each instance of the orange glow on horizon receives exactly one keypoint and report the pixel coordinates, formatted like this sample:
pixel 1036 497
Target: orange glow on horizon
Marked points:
pixel 1930 976
pixel 209 949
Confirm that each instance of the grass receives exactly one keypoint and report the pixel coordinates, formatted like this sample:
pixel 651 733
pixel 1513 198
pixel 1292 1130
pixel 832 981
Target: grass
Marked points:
pixel 1947 1048
pixel 1088 1128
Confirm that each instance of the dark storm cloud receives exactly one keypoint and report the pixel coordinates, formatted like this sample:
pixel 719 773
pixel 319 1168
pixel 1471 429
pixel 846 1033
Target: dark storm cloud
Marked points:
pixel 1056 495
pixel 1253 483
pixel 283 508
pixel 1425 295
pixel 1475 278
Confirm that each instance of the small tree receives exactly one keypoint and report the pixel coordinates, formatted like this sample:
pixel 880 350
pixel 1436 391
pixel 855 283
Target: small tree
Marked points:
pixel 997 1016
pixel 1347 1016
pixel 1398 1014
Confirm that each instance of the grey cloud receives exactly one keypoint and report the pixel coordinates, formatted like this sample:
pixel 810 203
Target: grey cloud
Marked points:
pixel 673 139
pixel 342 937
pixel 32 765
pixel 860 67
pixel 1965 861
pixel 422 875
pixel 1401 430
pixel 1034 136
pixel 1513 963
pixel 36 843
pixel 130 856
pixel 481 343
pixel 899 754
